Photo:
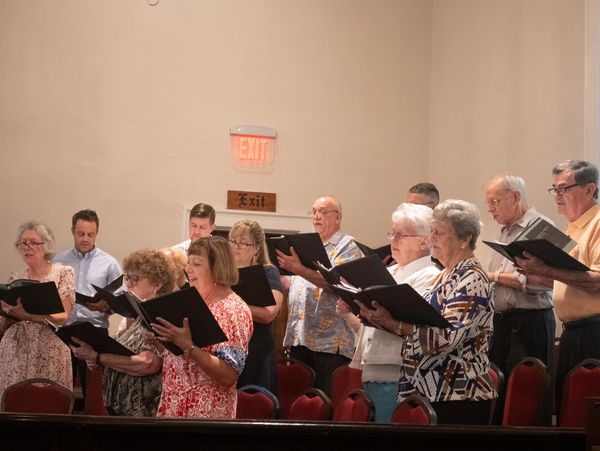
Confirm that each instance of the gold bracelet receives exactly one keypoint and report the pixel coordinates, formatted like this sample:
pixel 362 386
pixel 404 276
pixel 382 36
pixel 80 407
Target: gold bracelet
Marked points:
pixel 189 351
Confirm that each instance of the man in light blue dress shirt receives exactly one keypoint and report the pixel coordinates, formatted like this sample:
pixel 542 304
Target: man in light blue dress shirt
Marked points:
pixel 91 266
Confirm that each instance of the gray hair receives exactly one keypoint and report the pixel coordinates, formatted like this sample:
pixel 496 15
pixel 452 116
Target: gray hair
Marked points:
pixel 583 171
pixel 418 216
pixel 462 216
pixel 512 183
pixel 45 233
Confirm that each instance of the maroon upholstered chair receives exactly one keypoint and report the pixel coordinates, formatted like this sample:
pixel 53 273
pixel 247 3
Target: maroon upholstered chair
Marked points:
pixel 312 405
pixel 356 406
pixel 256 403
pixel 37 395
pixel 414 410
pixel 293 377
pixel 525 391
pixel 498 381
pixel 582 382
pixel 94 405
pixel 344 380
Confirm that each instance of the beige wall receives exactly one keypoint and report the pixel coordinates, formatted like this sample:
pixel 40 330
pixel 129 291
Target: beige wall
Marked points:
pixel 507 94
pixel 125 108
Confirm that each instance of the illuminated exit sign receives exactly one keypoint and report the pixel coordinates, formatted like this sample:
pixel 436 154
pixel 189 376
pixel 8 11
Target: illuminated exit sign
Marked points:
pixel 253 147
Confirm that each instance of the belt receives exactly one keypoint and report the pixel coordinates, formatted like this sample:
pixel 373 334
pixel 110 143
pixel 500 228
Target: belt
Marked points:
pixel 516 311
pixel 579 323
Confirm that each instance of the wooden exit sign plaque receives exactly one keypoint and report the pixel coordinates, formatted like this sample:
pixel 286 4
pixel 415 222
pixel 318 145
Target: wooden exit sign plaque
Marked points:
pixel 251 200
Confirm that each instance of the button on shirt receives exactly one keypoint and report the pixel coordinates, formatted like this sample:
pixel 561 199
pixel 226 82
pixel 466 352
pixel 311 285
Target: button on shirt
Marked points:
pixel 94 267
pixel 531 296
pixel 312 319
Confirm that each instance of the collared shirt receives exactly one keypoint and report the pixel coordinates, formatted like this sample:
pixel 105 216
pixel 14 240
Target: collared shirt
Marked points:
pixel 571 303
pixel 94 267
pixel 312 319
pixel 378 352
pixel 183 246
pixel 531 296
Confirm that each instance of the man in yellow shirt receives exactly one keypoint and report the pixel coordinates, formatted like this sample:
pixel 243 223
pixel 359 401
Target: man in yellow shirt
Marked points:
pixel 576 293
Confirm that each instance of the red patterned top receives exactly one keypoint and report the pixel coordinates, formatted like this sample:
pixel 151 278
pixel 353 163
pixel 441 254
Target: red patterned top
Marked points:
pixel 187 391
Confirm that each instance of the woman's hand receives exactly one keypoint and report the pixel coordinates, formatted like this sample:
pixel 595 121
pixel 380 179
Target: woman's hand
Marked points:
pixel 16 311
pixel 378 316
pixel 100 306
pixel 84 351
pixel 180 336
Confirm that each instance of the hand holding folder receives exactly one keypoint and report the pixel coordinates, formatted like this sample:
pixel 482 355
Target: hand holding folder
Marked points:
pixel 308 247
pixel 113 286
pixel 101 342
pixel 37 298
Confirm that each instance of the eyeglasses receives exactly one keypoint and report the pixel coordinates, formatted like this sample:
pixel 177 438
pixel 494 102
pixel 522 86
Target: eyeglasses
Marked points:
pixel 493 202
pixel 132 279
pixel 393 236
pixel 315 212
pixel 240 244
pixel 560 190
pixel 29 244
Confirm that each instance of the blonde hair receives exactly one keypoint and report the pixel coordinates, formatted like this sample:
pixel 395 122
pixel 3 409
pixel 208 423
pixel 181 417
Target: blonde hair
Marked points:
pixel 154 266
pixel 179 261
pixel 253 230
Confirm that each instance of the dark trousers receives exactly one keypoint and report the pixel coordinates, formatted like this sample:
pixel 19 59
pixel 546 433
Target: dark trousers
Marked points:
pixel 518 334
pixel 462 412
pixel 80 367
pixel 324 364
pixel 580 340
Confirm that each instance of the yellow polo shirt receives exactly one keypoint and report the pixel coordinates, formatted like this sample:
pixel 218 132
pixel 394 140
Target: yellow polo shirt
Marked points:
pixel 570 303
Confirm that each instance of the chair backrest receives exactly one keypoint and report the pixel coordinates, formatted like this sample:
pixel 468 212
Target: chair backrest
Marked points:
pixel 344 380
pixel 356 406
pixel 525 391
pixel 94 404
pixel 312 405
pixel 37 395
pixel 256 403
pixel 293 378
pixel 414 410
pixel 581 382
pixel 498 381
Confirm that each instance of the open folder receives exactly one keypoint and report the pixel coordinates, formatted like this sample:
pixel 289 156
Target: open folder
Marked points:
pixel 253 286
pixel 402 301
pixel 382 251
pixel 176 306
pixel 37 298
pixel 100 341
pixel 84 299
pixel 308 247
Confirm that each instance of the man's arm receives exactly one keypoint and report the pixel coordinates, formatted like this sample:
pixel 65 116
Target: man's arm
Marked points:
pixel 535 268
pixel 293 264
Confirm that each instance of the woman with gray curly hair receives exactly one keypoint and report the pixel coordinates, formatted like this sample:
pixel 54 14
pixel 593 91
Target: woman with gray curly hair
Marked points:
pixel 29 348
pixel 449 366
pixel 132 384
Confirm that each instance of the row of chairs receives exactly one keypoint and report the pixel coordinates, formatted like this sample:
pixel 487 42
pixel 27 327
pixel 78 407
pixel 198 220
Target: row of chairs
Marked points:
pixel 525 390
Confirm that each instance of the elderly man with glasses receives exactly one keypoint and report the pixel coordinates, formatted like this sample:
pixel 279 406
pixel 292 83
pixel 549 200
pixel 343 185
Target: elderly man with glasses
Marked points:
pixel 524 323
pixel 315 333
pixel 576 293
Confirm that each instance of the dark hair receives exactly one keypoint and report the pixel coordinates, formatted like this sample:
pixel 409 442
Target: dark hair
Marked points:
pixel 426 188
pixel 85 215
pixel 203 211
pixel 583 171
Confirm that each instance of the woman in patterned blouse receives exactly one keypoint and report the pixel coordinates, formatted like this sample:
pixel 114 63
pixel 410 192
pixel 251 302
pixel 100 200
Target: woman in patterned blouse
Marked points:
pixel 450 366
pixel 131 384
pixel 201 382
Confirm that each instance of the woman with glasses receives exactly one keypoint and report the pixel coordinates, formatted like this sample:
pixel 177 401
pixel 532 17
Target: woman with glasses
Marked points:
pixel 247 241
pixel 379 352
pixel 450 366
pixel 201 383
pixel 29 348
pixel 132 384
